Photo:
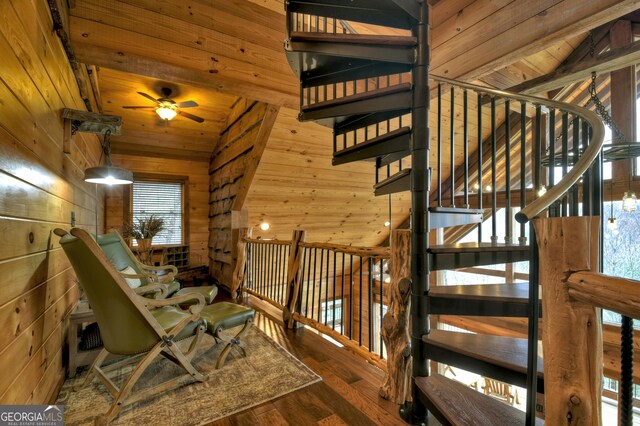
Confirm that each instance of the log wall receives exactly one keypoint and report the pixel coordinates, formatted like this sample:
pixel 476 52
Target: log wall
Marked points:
pixel 40 188
pixel 198 190
pixel 231 170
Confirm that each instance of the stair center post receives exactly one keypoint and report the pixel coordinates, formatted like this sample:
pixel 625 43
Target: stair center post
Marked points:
pixel 420 186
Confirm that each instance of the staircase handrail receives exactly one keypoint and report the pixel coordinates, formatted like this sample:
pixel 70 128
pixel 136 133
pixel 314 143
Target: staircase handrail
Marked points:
pixel 580 167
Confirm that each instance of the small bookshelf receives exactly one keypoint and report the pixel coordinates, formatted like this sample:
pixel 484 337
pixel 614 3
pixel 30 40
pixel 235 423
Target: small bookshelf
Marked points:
pixel 177 256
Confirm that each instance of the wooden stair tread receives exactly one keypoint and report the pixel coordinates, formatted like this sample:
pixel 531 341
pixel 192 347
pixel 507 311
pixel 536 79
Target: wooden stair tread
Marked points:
pixel 374 141
pixel 516 292
pixel 398 88
pixel 458 210
pixel 458 404
pixel 476 247
pixel 502 351
pixel 381 40
pixel 401 174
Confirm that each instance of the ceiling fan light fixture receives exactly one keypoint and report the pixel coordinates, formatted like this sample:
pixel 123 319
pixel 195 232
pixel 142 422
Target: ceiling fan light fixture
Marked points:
pixel 166 112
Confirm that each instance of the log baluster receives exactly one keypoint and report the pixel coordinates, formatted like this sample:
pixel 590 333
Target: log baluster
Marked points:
pixel 395 324
pixel 294 277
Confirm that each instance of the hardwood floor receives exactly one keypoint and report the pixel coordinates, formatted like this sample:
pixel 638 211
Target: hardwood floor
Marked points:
pixel 347 395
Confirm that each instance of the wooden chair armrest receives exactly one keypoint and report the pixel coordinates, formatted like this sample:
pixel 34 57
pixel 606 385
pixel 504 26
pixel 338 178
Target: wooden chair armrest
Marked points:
pixel 176 300
pixel 163 289
pixel 171 268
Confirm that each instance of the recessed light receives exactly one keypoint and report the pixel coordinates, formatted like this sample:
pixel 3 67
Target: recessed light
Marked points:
pixel 387 223
pixel 265 226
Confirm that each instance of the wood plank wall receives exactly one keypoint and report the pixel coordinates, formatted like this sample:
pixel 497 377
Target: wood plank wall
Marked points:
pixel 40 188
pixel 231 171
pixel 197 171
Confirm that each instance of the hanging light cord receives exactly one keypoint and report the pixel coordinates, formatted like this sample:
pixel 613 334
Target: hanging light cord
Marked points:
pixel 595 99
pixel 106 148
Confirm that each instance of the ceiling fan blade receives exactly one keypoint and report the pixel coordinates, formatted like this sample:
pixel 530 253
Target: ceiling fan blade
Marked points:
pixel 140 107
pixel 148 96
pixel 191 116
pixel 187 104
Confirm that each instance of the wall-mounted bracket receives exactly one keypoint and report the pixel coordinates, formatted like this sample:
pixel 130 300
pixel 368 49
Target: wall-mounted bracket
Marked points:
pixel 89 122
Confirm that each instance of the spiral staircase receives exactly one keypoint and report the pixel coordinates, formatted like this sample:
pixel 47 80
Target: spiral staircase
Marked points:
pixel 375 92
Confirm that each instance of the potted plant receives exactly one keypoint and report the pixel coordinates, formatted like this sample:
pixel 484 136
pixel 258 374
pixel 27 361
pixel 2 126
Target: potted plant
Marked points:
pixel 143 230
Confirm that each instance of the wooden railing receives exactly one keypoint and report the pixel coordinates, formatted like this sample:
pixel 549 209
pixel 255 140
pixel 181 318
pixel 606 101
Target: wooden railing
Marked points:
pixel 339 290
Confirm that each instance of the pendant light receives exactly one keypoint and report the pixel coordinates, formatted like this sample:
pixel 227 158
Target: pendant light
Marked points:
pixel 629 200
pixel 108 174
pixel 612 222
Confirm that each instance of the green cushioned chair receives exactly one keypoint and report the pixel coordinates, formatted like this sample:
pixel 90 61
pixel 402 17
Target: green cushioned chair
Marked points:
pixel 141 328
pixel 121 256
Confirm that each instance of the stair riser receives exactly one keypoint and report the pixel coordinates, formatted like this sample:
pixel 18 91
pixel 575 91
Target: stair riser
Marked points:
pixel 391 146
pixel 395 101
pixel 368 11
pixel 483 368
pixel 402 55
pixel 443 261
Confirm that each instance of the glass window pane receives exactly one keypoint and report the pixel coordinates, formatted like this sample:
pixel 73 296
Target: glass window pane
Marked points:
pixel 162 199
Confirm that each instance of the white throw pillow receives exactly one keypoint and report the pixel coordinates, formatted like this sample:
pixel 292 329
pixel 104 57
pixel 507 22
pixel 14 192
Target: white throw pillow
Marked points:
pixel 133 282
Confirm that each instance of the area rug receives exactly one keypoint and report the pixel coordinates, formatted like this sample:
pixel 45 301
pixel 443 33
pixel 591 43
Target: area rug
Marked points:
pixel 267 372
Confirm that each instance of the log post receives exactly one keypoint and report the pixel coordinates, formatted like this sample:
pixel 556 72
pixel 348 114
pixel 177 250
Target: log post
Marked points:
pixel 572 333
pixel 294 277
pixel 237 281
pixel 395 324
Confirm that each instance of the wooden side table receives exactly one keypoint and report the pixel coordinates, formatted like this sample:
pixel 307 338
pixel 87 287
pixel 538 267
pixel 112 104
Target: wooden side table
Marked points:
pixel 81 314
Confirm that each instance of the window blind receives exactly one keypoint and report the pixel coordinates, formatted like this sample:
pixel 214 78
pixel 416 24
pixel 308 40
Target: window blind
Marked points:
pixel 162 199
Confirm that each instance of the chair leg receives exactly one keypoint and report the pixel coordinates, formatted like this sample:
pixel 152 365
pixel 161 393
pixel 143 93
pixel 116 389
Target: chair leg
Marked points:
pixel 186 363
pixel 126 388
pixel 235 341
pixel 194 342
pixel 92 371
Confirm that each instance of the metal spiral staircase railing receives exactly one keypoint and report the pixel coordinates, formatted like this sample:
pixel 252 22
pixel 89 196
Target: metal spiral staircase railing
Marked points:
pixel 489 147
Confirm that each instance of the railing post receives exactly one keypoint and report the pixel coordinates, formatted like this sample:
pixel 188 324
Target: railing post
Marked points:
pixel 395 324
pixel 572 333
pixel 294 277
pixel 237 281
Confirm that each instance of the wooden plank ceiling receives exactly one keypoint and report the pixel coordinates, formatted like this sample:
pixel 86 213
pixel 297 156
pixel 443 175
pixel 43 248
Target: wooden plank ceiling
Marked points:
pixel 146 134
pixel 217 51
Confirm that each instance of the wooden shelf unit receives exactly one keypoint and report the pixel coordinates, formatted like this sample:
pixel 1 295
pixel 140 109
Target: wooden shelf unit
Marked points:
pixel 177 256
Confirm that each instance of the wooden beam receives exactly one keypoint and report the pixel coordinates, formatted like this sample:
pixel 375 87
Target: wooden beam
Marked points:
pixel 623 97
pixel 253 160
pixel 483 48
pixel 584 48
pixel 616 294
pixel 232 46
pixel 612 60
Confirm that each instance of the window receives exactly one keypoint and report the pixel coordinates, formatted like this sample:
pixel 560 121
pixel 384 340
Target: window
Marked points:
pixel 163 199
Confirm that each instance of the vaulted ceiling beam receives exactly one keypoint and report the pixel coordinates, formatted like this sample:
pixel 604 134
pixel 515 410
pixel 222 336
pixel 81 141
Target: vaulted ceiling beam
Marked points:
pixel 612 60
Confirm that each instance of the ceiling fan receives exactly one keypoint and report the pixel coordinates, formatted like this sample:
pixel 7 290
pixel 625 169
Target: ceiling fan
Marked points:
pixel 167 108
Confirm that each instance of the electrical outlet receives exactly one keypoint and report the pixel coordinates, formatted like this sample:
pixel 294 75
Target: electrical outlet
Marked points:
pixel 73 219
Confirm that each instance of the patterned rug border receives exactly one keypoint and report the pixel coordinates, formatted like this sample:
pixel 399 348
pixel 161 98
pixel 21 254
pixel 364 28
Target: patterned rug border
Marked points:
pixel 318 379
